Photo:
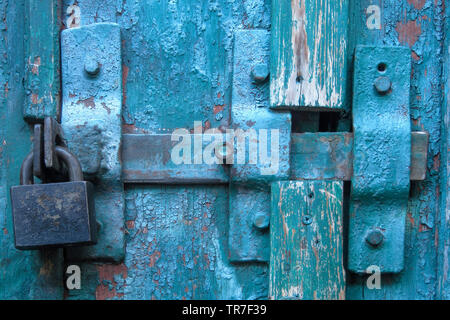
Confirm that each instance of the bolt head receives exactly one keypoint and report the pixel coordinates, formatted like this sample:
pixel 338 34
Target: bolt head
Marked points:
pixel 383 85
pixel 261 220
pixel 375 238
pixel 307 219
pixel 260 73
pixel 91 66
pixel 224 152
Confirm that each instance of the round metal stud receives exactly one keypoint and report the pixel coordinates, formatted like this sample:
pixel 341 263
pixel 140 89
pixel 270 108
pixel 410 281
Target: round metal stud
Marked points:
pixel 375 238
pixel 383 85
pixel 224 152
pixel 261 220
pixel 306 219
pixel 92 67
pixel 260 73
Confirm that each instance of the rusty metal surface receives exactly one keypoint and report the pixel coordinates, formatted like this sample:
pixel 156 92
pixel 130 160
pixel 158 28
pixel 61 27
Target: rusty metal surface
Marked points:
pixel 314 156
pixel 147 159
pixel 53 214
pixel 38 152
pixel 322 156
pixel 53 136
pixel 91 119
pixel 419 155
pixel 329 156
pixel 382 158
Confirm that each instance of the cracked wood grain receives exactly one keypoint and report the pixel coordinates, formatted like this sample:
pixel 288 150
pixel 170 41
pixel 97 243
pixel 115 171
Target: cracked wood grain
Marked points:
pixel 309 54
pixel 307 241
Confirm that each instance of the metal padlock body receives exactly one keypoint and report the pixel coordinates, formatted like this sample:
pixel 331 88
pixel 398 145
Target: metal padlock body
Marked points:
pixel 53 214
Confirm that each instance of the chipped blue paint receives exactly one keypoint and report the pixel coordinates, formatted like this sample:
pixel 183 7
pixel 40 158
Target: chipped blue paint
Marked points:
pixel 170 48
pixel 92 122
pixel 42 76
pixel 249 189
pixel 176 247
pixel 418 25
pixel 23 275
pixel 250 111
pixel 382 158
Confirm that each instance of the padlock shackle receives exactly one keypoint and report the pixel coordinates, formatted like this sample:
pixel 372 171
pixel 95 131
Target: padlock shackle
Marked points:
pixel 72 163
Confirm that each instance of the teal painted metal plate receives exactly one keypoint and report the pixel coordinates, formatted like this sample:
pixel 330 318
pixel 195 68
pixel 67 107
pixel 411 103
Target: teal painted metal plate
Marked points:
pixel 249 190
pixel 92 123
pixel 382 158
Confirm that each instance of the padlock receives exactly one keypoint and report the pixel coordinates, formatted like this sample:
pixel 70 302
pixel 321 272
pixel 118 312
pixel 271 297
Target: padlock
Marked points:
pixel 53 214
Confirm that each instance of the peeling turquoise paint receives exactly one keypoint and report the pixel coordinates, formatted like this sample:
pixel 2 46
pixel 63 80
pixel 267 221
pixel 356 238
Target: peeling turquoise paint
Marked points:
pixel 92 122
pixel 424 37
pixel 382 158
pixel 176 236
pixel 23 275
pixel 43 82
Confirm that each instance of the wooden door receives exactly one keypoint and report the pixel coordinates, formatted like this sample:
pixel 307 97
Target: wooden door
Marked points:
pixel 207 232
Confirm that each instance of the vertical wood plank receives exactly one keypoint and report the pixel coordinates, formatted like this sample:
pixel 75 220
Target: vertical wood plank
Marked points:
pixel 309 54
pixel 43 56
pixel 306 236
pixel 23 274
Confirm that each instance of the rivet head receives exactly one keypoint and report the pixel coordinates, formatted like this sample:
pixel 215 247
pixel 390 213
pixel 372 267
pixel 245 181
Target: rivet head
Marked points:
pixel 383 85
pixel 92 67
pixel 219 116
pixel 260 73
pixel 306 219
pixel 375 238
pixel 261 220
pixel 224 152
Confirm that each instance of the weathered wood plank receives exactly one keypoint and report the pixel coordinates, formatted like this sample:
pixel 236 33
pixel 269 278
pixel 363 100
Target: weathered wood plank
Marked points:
pixel 306 233
pixel 309 54
pixel 23 275
pixel 43 56
pixel 322 156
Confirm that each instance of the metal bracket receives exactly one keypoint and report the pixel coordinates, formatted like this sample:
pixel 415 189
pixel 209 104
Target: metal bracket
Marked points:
pixel 146 158
pixel 382 158
pixel 249 185
pixel 47 136
pixel 91 119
